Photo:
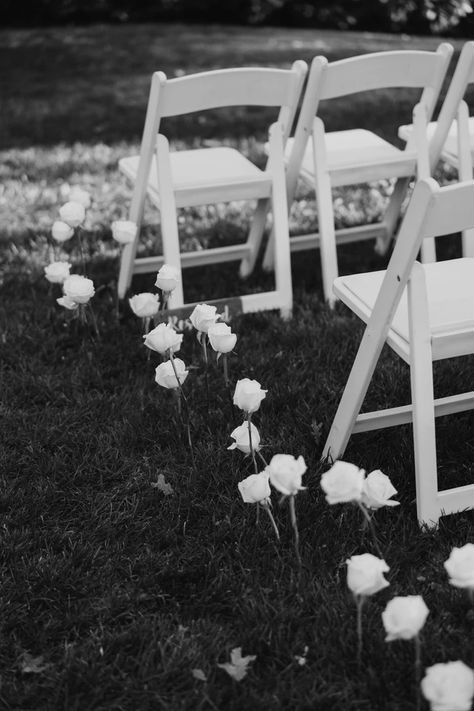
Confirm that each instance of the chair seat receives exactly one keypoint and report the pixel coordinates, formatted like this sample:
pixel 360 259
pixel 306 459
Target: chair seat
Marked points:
pixel 450 290
pixel 450 148
pixel 222 172
pixel 359 156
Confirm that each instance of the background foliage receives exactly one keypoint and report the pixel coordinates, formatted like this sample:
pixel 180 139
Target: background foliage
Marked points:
pixel 412 16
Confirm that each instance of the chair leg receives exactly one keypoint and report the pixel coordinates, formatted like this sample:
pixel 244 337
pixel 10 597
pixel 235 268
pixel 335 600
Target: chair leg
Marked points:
pixel 327 231
pixel 392 215
pixel 281 242
pixel 255 237
pixel 169 222
pixel 421 377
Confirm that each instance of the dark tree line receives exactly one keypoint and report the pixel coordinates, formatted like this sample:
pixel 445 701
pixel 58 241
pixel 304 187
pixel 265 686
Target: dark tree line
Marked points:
pixel 410 16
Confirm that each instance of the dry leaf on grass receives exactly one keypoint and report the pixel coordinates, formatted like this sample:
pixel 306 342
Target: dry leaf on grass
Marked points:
pixel 237 667
pixel 162 485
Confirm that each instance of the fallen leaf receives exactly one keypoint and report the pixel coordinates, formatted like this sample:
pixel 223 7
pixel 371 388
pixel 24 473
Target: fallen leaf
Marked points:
pixel 237 668
pixel 162 485
pixel 199 674
pixel 32 665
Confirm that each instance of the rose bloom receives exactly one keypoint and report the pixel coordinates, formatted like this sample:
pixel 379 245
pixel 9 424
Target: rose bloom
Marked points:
pixel 248 395
pixel 377 490
pixel 221 337
pixel 72 213
pixel 460 566
pixel 167 278
pixel 61 232
pixel 255 489
pixel 79 288
pixel 404 617
pixel 57 272
pixel 144 305
pixel 286 472
pixel 165 375
pixel 242 440
pixel 449 687
pixel 342 483
pixel 124 231
pixel 67 303
pixel 163 338
pixel 365 574
pixel 81 196
pixel 203 316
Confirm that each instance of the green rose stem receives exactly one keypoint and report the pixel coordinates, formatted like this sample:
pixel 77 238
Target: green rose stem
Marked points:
pixel 417 670
pixel 252 451
pixel 81 249
pixel 262 458
pixel 359 599
pixel 294 523
pixel 188 423
pixel 146 329
pixel 94 321
pixel 266 507
pixel 206 369
pixel 227 384
pixel 368 521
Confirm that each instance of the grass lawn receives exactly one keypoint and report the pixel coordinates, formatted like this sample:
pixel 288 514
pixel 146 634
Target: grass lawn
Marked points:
pixel 112 591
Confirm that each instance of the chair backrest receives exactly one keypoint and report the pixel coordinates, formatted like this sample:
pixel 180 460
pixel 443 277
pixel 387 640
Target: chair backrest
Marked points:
pixel 433 211
pixel 462 77
pixel 401 69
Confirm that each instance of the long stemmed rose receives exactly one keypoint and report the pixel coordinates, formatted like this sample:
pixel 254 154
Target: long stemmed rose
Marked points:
pixel 403 618
pixel 222 341
pixel 145 306
pixel 449 686
pixel 255 489
pixel 346 483
pixel 460 568
pixel 167 280
pixel 248 395
pixel 365 578
pixel 72 214
pixel 172 373
pixel 78 291
pixel 202 318
pixel 285 474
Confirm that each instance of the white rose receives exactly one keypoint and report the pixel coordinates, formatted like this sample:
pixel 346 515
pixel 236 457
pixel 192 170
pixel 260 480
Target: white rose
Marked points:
pixel 221 337
pixel 286 472
pixel 165 375
pixel 377 490
pixel 242 440
pixel 167 278
pixel 144 305
pixel 248 395
pixel 404 617
pixel 255 488
pixel 57 272
pixel 449 687
pixel 79 288
pixel 67 303
pixel 72 213
pixel 460 566
pixel 61 231
pixel 124 231
pixel 342 483
pixel 81 196
pixel 163 338
pixel 203 316
pixel 365 574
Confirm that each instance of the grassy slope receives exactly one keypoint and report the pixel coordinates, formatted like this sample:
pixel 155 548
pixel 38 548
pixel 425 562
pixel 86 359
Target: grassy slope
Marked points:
pixel 122 590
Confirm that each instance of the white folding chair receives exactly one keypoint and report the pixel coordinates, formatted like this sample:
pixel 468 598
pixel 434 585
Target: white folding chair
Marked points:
pixel 209 175
pixel 424 312
pixel 327 160
pixel 451 137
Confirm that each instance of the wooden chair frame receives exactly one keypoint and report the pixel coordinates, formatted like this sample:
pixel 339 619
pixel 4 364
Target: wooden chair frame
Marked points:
pixel 410 69
pixel 432 211
pixel 280 88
